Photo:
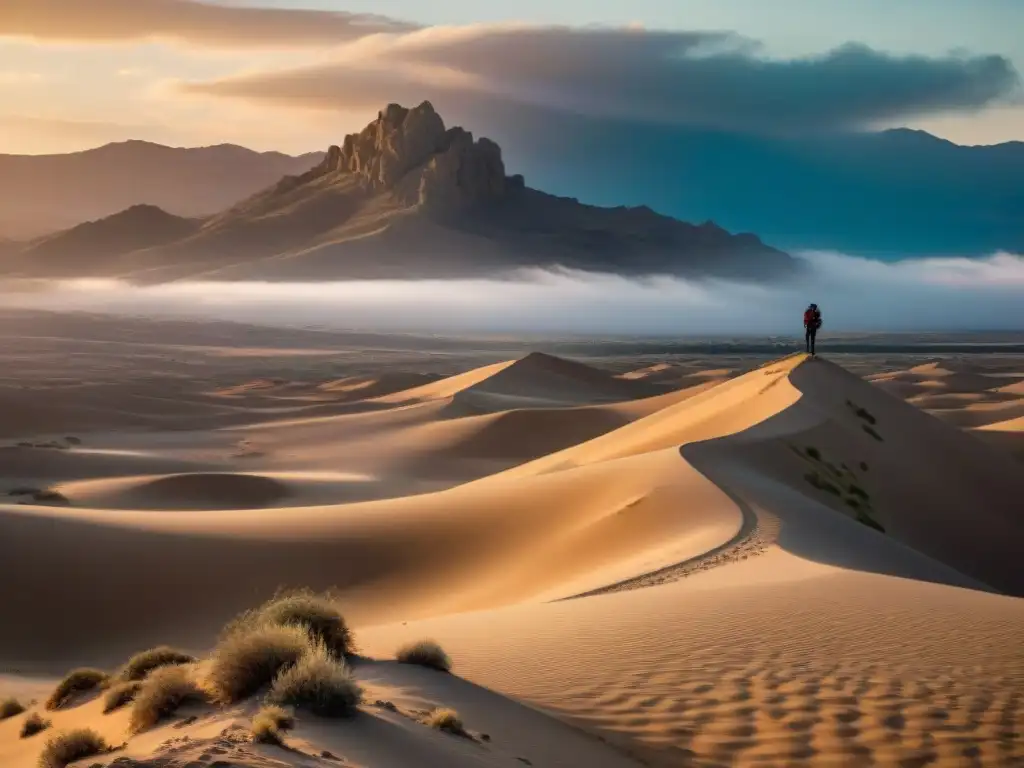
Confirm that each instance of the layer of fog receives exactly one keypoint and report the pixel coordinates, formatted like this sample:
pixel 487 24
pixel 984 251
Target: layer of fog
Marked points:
pixel 855 295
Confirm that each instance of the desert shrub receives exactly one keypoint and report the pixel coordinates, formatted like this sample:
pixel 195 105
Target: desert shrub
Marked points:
pixel 317 613
pixel 821 483
pixel 120 694
pixel 814 453
pixel 33 724
pixel 865 519
pixel 269 724
pixel 864 466
pixel 10 708
pixel 871 431
pixel 141 664
pixel 48 496
pixel 853 503
pixel 425 653
pixel 318 683
pixel 856 490
pixel 77 681
pixel 70 746
pixel 160 696
pixel 862 413
pixel 23 490
pixel 446 720
pixel 248 659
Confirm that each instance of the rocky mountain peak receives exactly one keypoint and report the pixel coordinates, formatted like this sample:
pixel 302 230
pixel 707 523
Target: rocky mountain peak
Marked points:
pixel 410 152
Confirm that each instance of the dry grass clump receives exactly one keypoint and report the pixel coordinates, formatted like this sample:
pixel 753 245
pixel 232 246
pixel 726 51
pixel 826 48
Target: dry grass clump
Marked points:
pixel 250 657
pixel 70 746
pixel 141 664
pixel 120 694
pixel 163 692
pixel 270 723
pixel 318 683
pixel 33 724
pixel 77 681
pixel 10 708
pixel 317 613
pixel 446 720
pixel 425 653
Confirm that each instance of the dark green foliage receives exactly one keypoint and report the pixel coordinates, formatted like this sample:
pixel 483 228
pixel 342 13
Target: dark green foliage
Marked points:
pixel 864 466
pixel 866 519
pixel 814 453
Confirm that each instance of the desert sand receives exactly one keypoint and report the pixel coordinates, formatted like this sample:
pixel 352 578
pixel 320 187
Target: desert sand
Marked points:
pixel 717 560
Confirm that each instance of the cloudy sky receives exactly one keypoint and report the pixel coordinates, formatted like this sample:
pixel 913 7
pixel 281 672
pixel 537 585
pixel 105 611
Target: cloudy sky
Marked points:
pixel 296 74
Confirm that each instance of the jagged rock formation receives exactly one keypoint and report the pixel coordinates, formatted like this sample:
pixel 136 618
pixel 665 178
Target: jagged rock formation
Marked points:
pixel 408 197
pixel 410 152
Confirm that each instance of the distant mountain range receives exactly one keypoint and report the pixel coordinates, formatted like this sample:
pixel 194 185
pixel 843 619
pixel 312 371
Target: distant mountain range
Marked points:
pixel 406 197
pixel 41 194
pixel 887 195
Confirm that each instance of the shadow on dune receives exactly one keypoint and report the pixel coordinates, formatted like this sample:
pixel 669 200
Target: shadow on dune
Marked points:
pixel 945 499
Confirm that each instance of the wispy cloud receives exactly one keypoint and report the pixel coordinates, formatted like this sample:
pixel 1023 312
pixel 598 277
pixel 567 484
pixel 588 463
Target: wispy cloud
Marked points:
pixel 702 78
pixel 185 21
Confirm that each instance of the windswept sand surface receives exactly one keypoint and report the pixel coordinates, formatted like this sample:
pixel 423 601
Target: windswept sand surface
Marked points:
pixel 674 562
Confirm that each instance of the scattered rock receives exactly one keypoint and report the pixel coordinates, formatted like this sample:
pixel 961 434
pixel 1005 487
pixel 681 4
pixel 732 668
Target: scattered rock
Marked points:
pixel 329 755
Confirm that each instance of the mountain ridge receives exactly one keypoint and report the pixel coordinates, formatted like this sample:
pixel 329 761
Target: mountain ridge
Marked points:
pixel 408 197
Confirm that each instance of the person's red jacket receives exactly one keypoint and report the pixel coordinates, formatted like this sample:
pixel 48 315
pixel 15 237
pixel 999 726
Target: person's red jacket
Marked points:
pixel 812 319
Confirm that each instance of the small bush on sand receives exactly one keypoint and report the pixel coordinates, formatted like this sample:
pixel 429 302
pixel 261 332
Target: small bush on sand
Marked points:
pixel 77 681
pixel 821 483
pixel 814 453
pixel 320 684
pixel 871 431
pixel 163 692
pixel 249 659
pixel 10 708
pixel 120 694
pixel 47 496
pixel 270 723
pixel 446 720
pixel 317 613
pixel 33 724
pixel 74 745
pixel 141 664
pixel 865 519
pixel 425 653
pixel 864 466
pixel 856 490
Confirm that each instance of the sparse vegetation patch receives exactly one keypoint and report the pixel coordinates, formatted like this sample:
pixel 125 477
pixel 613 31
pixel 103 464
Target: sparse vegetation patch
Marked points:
pixel 162 694
pixel 250 657
pixel 862 413
pixel 871 431
pixel 425 653
pixel 33 724
pixel 318 614
pixel 821 483
pixel 119 695
pixel 447 720
pixel 319 683
pixel 141 664
pixel 73 745
pixel 270 723
pixel 77 681
pixel 10 708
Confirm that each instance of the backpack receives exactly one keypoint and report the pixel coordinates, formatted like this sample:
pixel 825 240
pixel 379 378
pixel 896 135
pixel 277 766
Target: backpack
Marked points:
pixel 812 318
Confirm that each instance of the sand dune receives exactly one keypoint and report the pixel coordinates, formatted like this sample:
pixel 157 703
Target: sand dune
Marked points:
pixel 791 567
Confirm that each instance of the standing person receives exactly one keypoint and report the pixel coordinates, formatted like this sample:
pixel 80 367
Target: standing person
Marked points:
pixel 812 322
